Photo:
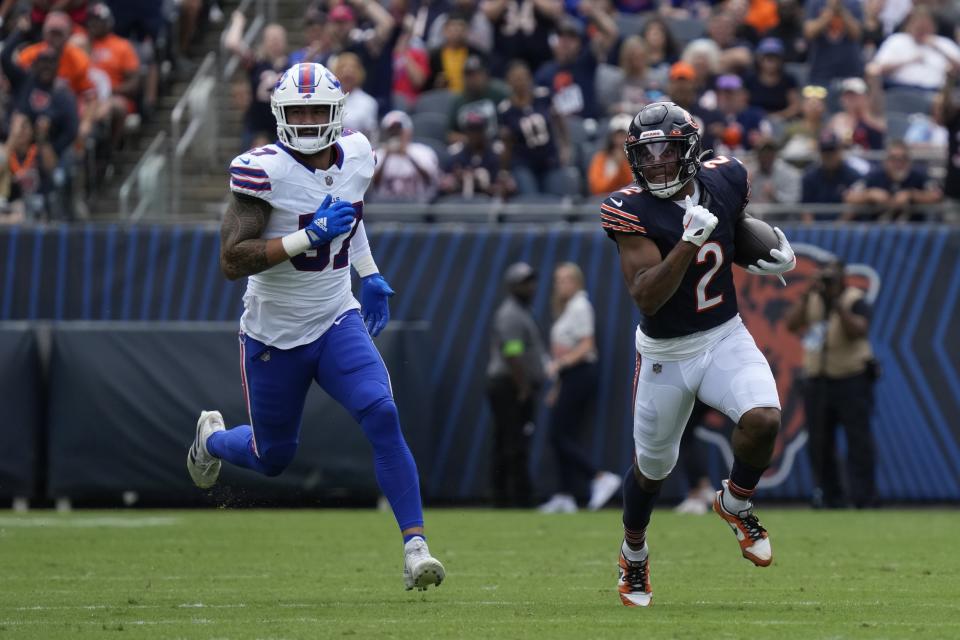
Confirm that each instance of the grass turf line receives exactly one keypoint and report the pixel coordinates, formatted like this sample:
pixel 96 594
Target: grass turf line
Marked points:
pixel 332 574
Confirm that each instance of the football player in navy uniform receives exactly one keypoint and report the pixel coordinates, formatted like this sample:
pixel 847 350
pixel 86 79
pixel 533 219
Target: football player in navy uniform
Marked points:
pixel 675 230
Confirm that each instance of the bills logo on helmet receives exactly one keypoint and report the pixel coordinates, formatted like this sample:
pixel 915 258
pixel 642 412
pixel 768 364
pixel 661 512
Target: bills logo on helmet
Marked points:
pixel 763 304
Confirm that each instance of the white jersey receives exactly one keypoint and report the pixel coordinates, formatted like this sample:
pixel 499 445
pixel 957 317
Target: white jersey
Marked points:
pixel 295 302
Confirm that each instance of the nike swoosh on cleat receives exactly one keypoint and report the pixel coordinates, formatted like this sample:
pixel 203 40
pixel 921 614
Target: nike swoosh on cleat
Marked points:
pixel 619 203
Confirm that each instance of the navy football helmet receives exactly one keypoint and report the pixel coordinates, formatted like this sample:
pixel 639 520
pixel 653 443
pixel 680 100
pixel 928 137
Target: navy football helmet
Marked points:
pixel 663 148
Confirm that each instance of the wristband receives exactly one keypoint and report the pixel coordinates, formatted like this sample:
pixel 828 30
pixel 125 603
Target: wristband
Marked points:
pixel 296 243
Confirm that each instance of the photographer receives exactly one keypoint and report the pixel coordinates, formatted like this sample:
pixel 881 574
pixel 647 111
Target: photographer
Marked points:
pixel 406 171
pixel 840 370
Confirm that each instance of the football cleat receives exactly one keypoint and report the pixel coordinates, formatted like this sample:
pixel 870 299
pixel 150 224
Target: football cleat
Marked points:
pixel 602 489
pixel 634 583
pixel 420 569
pixel 203 467
pixel 753 539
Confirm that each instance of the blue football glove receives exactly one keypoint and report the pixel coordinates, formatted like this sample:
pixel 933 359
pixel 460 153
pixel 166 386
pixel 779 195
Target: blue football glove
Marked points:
pixel 374 292
pixel 330 221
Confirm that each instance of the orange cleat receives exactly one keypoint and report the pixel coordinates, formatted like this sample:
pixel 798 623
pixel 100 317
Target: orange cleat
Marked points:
pixel 634 583
pixel 753 539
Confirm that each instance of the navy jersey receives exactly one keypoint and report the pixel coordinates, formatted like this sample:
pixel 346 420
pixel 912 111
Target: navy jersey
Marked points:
pixel 532 131
pixel 706 296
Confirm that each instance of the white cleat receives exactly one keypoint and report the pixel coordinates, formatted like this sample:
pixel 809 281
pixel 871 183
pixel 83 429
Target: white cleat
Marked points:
pixel 203 467
pixel 602 489
pixel 420 569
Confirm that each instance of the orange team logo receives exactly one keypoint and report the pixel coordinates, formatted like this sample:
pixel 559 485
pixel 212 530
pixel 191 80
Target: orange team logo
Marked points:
pixel 763 304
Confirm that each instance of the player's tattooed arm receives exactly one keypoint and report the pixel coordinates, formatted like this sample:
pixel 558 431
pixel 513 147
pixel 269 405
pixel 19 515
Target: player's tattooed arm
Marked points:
pixel 242 251
pixel 652 280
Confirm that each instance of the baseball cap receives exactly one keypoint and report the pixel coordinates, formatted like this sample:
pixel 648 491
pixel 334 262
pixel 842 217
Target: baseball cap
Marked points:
pixel 397 119
pixel 342 13
pixel 519 272
pixel 729 82
pixel 854 85
pixel 474 120
pixel 814 91
pixel 829 142
pixel 770 47
pixel 682 71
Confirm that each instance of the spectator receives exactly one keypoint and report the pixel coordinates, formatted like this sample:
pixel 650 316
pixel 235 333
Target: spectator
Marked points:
pixel 832 29
pixel 639 87
pixel 74 65
pixel 421 16
pixel 76 10
pixel 521 31
pixel 188 19
pixel 772 180
pixel 703 55
pixel 141 22
pixel 117 58
pixel 571 75
pixel 447 61
pixel 609 168
pixel 661 47
pixel 360 110
pixel 372 44
pixel 769 86
pixel 789 30
pixel 802 135
pixel 828 181
pixel 573 367
pixel 51 110
pixel 531 131
pixel 834 320
pixel 406 171
pixel 947 114
pixel 264 67
pixel 683 91
pixel 474 168
pixel 744 124
pixel 735 54
pixel 318 45
pixel 898 190
pixel 861 123
pixel 514 376
pixel 917 58
pixel 24 171
pixel 411 69
pixel 479 95
pixel 479 30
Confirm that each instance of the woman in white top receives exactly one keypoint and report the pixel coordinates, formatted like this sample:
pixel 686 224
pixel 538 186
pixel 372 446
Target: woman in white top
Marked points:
pixel 573 365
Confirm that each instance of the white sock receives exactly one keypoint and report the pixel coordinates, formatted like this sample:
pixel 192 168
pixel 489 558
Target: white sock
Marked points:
pixel 634 556
pixel 732 503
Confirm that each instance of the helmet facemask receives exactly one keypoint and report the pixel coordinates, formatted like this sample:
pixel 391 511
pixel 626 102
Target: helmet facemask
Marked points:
pixel 663 165
pixel 311 137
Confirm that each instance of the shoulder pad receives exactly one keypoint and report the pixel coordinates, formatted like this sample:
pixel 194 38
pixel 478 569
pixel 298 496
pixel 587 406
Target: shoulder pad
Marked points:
pixel 249 176
pixel 616 212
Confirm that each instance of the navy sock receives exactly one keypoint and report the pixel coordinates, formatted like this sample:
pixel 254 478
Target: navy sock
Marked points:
pixel 637 507
pixel 743 479
pixel 393 464
pixel 410 536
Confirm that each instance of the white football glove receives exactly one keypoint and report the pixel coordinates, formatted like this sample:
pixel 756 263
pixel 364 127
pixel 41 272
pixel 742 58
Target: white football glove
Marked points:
pixel 783 260
pixel 698 223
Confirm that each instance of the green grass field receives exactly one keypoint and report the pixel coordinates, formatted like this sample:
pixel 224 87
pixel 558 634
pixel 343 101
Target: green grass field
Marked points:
pixel 332 574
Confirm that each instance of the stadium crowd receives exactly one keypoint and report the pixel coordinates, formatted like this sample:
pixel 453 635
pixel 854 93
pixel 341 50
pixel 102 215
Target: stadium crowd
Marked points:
pixel 79 78
pixel 843 103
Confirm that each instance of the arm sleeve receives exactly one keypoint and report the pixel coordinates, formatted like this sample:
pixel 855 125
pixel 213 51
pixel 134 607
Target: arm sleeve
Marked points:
pixel 361 257
pixel 248 177
pixel 512 336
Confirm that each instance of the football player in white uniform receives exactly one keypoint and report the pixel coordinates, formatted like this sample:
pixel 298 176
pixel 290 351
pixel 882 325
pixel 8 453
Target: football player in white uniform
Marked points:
pixel 300 321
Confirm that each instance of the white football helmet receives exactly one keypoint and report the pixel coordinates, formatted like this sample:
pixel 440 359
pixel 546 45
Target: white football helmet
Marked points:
pixel 308 83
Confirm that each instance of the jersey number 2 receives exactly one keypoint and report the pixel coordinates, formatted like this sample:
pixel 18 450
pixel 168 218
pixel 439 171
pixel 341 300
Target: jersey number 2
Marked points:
pixel 707 250
pixel 318 259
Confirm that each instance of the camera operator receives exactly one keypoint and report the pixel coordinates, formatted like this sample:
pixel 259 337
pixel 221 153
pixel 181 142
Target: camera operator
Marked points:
pixel 840 370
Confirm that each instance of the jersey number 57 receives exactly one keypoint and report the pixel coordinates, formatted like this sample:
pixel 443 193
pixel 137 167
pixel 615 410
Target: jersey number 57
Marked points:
pixel 318 259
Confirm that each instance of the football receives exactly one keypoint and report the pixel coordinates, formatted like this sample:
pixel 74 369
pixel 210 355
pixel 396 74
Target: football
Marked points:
pixel 753 241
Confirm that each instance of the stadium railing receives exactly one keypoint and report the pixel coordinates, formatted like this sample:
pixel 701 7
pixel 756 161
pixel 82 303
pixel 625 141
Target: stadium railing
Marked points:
pixel 149 183
pixel 200 102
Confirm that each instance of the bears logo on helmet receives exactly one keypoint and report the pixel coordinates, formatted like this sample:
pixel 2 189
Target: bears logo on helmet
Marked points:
pixel 662 163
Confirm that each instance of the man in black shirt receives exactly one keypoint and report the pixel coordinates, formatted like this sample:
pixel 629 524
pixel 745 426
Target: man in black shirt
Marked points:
pixel 896 189
pixel 828 181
